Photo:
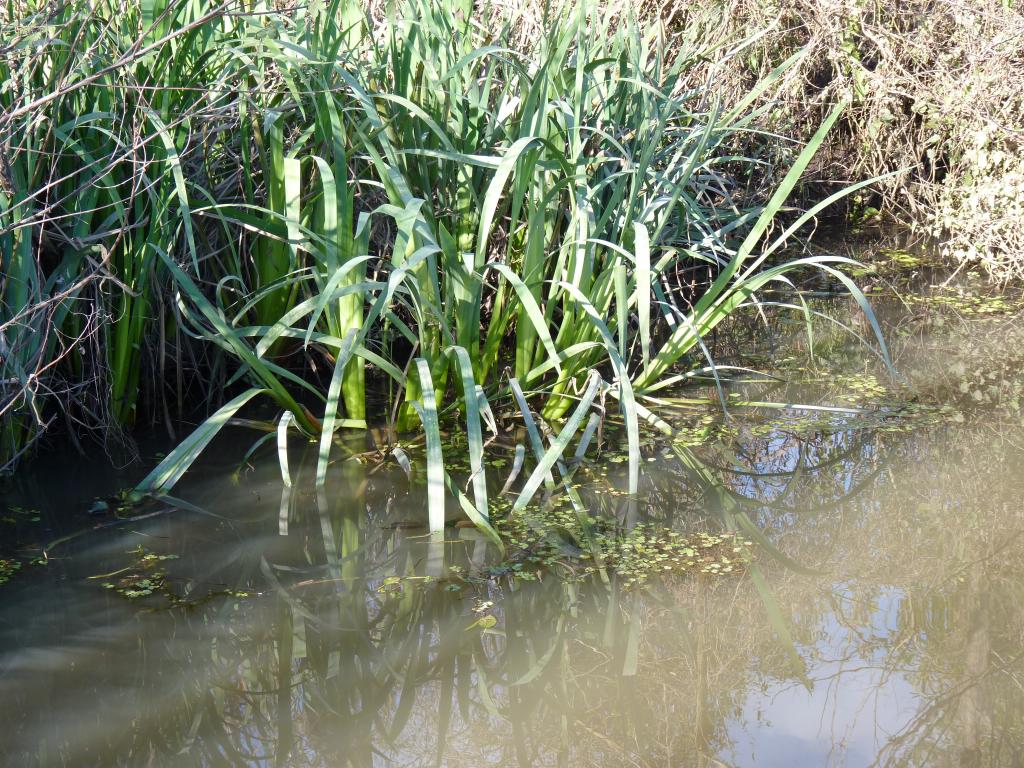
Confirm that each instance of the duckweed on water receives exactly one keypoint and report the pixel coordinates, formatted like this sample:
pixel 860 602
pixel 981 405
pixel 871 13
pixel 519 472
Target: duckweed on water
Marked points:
pixel 648 551
pixel 486 619
pixel 967 303
pixel 142 578
pixel 893 263
pixel 390 585
pixel 902 258
pixel 905 417
pixel 146 577
pixel 860 387
pixel 7 569
pixel 17 515
pixel 556 538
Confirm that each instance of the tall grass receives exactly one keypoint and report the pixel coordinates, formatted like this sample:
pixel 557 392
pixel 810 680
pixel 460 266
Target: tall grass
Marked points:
pixel 101 122
pixel 413 197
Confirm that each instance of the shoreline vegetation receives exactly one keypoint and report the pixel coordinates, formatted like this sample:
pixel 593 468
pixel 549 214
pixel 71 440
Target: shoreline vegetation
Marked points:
pixel 413 212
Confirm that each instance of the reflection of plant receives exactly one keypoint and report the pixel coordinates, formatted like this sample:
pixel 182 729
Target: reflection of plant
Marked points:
pixel 355 656
pixel 980 336
pixel 920 536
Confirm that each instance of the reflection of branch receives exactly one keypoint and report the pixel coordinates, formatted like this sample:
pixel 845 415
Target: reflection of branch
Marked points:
pixel 930 717
pixel 851 452
pixel 964 566
pixel 625 753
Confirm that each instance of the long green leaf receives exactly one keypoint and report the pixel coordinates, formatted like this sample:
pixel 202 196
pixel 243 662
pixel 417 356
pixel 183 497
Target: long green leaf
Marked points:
pixel 435 460
pixel 176 463
pixel 559 444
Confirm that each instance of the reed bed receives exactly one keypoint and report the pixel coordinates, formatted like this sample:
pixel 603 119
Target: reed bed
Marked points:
pixel 414 201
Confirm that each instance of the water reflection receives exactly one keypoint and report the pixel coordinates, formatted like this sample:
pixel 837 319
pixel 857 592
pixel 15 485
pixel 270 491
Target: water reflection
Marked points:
pixel 881 624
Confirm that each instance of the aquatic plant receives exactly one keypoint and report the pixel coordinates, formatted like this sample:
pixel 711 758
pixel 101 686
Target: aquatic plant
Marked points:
pixel 548 196
pixel 104 136
pixel 419 197
pixel 7 569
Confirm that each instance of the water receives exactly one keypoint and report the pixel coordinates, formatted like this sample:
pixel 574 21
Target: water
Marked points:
pixel 881 622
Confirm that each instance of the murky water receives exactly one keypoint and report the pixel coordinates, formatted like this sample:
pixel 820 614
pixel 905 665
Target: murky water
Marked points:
pixel 880 623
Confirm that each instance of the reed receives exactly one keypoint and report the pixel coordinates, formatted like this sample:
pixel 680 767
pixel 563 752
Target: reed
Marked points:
pixel 100 118
pixel 415 197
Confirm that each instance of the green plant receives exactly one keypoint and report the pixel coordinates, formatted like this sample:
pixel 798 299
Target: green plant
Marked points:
pixel 100 111
pixel 476 217
pixel 545 195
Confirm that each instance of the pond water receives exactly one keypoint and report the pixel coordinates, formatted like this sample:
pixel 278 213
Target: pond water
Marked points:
pixel 878 621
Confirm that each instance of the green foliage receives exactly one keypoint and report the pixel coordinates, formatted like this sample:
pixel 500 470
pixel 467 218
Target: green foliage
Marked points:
pixel 322 192
pixel 100 113
pixel 555 537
